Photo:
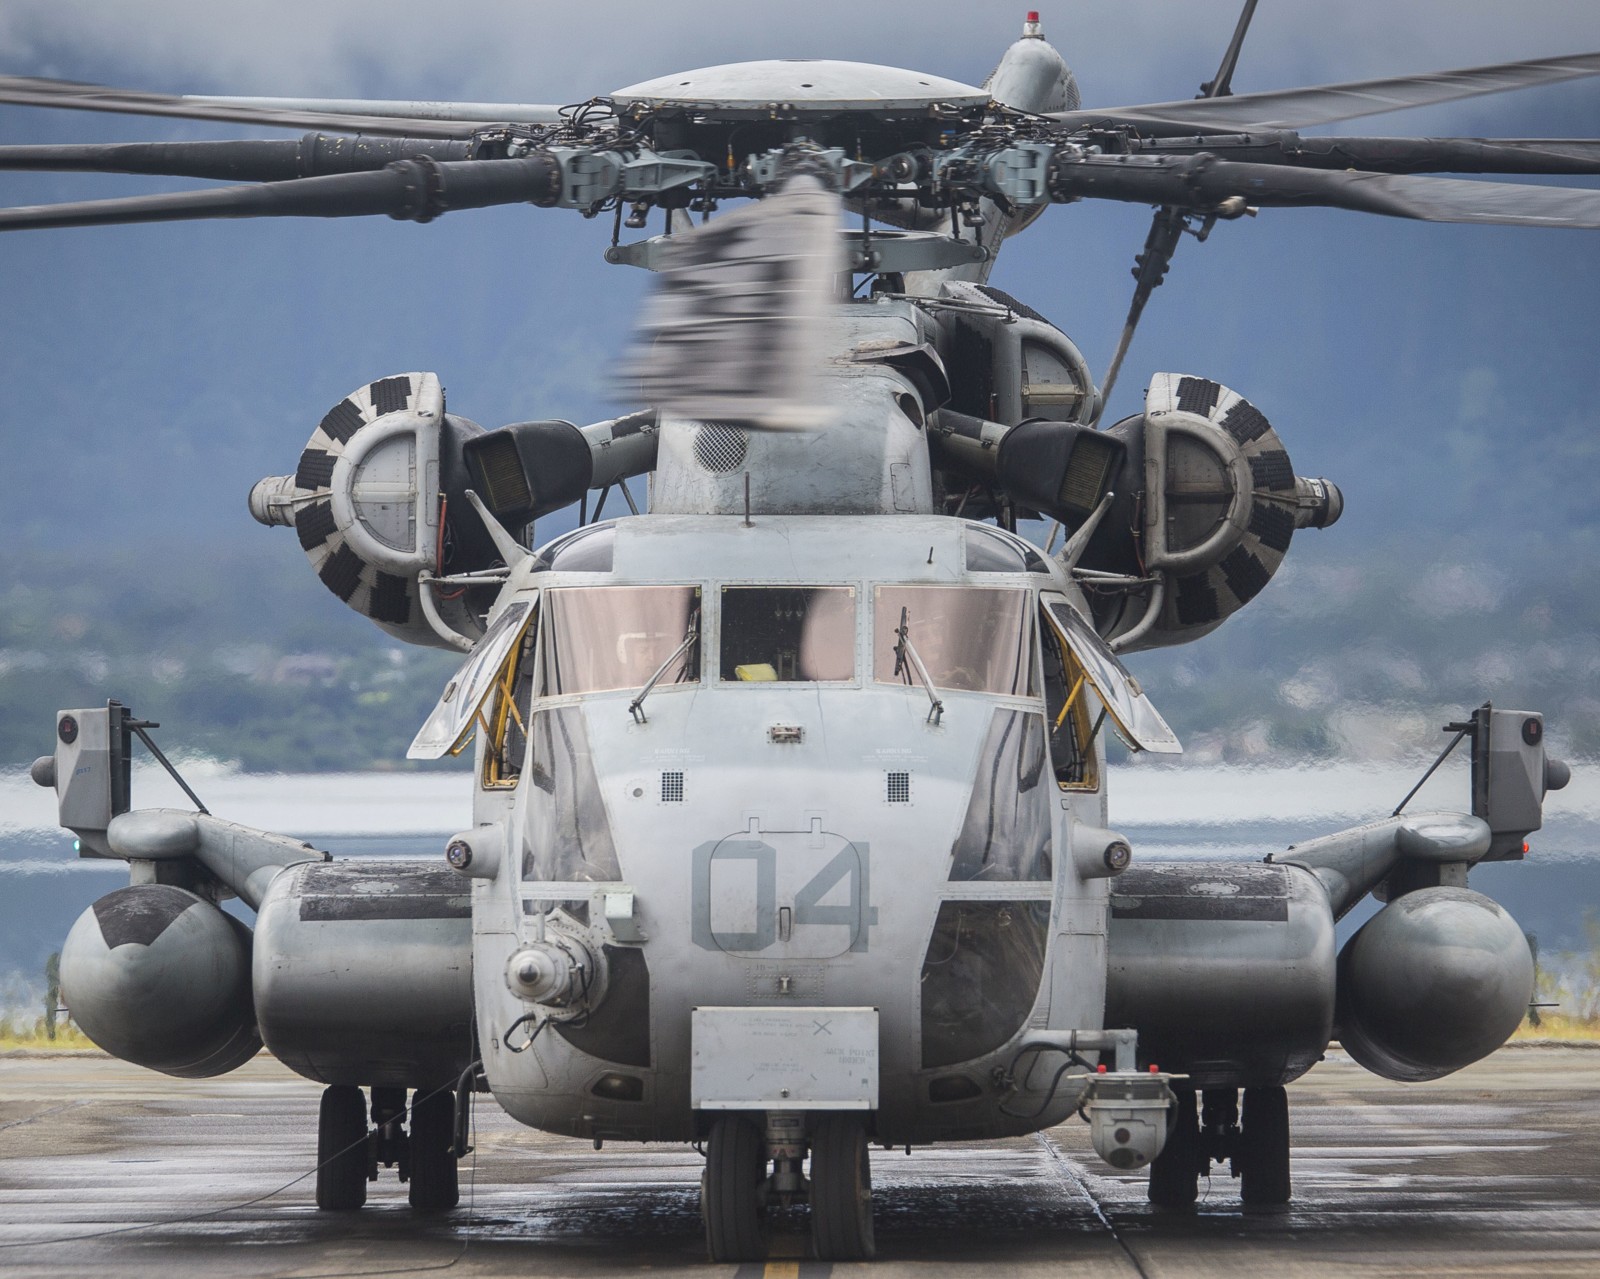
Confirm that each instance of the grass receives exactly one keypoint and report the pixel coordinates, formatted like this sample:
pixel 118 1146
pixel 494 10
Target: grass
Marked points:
pixel 15 1034
pixel 1556 1026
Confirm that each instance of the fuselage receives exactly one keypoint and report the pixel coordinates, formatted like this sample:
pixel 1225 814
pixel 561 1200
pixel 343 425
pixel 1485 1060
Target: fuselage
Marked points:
pixel 794 820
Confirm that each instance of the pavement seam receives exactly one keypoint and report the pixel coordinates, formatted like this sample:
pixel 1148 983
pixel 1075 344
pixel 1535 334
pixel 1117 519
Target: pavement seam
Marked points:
pixel 53 1110
pixel 1068 1170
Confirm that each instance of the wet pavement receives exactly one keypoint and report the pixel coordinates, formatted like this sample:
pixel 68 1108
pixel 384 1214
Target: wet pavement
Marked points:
pixel 110 1170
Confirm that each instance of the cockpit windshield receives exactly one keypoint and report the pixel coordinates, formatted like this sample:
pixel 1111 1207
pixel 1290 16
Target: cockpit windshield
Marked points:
pixel 788 633
pixel 972 638
pixel 616 637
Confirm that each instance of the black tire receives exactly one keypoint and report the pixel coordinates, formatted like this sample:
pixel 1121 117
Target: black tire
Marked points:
pixel 434 1186
pixel 730 1192
pixel 841 1190
pixel 1175 1172
pixel 342 1149
pixel 1264 1147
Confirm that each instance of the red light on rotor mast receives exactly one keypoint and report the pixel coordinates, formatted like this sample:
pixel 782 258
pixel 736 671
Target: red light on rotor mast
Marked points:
pixel 1033 15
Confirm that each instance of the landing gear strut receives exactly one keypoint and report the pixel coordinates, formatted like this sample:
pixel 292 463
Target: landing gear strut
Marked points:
pixel 1256 1144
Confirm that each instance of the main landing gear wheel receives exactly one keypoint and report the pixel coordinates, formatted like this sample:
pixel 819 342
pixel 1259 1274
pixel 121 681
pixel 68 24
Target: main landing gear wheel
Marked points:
pixel 730 1191
pixel 1175 1172
pixel 1264 1147
pixel 433 1186
pixel 841 1190
pixel 342 1149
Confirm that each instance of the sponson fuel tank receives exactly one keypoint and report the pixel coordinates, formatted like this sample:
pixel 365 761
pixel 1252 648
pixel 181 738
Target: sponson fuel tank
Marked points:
pixel 362 972
pixel 1226 971
pixel 1433 982
pixel 160 977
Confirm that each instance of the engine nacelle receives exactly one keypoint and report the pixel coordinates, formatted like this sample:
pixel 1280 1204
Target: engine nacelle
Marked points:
pixel 1217 504
pixel 377 501
pixel 160 977
pixel 1200 498
pixel 1435 981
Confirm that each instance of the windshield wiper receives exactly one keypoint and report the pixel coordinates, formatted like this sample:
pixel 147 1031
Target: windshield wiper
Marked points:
pixel 907 659
pixel 636 706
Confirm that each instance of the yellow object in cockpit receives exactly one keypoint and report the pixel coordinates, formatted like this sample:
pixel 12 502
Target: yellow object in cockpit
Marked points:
pixel 757 673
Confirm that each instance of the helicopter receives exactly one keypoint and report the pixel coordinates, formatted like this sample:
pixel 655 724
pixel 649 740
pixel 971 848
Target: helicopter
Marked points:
pixel 707 736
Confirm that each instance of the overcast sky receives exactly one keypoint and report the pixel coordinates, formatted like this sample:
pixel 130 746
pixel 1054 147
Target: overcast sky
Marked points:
pixel 1443 375
pixel 528 50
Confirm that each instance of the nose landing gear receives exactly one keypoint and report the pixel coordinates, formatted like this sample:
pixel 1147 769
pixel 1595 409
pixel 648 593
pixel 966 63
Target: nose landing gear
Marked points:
pixel 748 1168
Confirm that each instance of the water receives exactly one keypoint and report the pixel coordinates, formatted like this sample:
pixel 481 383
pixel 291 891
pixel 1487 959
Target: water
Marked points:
pixel 1167 811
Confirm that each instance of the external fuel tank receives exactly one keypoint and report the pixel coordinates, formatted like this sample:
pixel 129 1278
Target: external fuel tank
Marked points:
pixel 1226 971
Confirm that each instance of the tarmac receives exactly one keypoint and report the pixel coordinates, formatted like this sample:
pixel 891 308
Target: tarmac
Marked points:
pixel 106 1169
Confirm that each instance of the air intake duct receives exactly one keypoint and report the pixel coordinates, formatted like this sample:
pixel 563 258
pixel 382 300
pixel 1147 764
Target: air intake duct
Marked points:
pixel 1061 469
pixel 530 469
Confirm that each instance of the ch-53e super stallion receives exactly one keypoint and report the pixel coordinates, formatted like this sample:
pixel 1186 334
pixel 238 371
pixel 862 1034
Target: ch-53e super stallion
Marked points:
pixel 790 825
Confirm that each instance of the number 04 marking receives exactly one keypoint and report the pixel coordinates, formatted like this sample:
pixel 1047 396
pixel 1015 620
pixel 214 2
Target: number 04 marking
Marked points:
pixel 851 861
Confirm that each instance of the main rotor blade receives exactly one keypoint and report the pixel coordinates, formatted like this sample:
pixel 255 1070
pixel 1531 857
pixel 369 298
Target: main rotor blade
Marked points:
pixel 368 108
pixel 66 95
pixel 1327 103
pixel 416 190
pixel 1205 183
pixel 258 160
pixel 1392 155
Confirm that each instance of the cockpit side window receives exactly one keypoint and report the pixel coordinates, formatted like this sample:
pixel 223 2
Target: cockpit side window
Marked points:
pixel 1136 721
pixel 973 638
pixel 509 707
pixel 789 633
pixel 991 551
pixel 585 550
pixel 1069 701
pixel 449 726
pixel 601 638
